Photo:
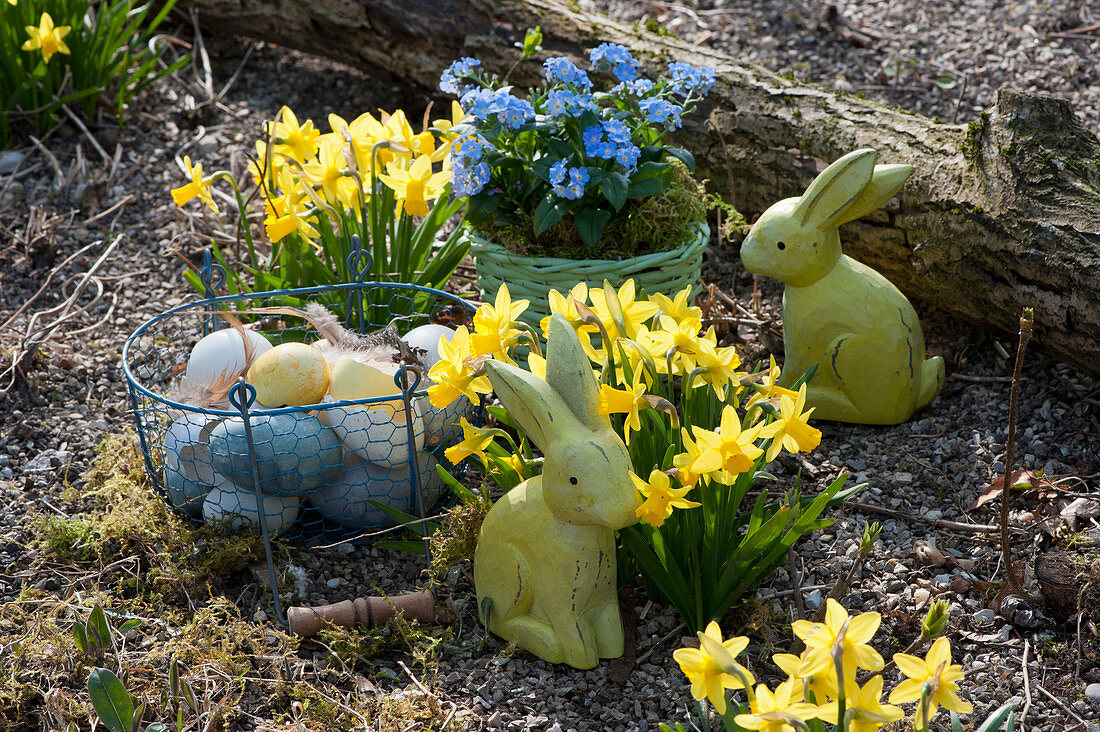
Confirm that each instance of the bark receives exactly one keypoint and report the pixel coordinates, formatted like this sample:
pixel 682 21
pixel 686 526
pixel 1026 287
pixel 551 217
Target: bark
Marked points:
pixel 1000 214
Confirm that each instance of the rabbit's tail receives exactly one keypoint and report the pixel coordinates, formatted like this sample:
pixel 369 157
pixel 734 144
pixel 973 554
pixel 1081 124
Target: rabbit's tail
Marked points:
pixel 931 381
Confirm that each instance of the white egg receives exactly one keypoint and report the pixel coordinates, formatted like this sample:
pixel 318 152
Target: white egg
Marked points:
pixel 238 509
pixel 222 354
pixel 442 425
pixel 187 447
pixel 347 500
pixel 374 434
pixel 426 338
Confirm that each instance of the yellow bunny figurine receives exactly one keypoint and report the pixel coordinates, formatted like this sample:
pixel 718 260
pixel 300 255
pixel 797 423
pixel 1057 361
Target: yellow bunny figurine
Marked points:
pixel 842 315
pixel 544 568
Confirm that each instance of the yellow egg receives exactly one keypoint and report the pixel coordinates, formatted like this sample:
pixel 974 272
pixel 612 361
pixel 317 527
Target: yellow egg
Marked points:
pixel 353 379
pixel 290 374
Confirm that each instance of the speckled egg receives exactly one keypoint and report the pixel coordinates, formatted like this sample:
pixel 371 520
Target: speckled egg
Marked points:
pixel 295 452
pixel 239 509
pixel 346 501
pixel 221 355
pixel 290 374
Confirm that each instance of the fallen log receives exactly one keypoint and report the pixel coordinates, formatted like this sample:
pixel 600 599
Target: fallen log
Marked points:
pixel 1000 214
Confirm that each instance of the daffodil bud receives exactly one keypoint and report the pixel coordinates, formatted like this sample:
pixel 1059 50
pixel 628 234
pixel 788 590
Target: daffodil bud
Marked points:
pixel 935 620
pixel 870 536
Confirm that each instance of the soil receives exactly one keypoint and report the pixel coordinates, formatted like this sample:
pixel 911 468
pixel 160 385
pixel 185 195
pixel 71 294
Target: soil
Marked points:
pixel 65 202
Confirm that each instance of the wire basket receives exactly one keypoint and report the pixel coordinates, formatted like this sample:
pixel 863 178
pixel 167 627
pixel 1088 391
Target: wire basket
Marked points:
pixel 315 473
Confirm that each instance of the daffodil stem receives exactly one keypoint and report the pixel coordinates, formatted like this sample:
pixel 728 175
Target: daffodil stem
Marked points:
pixel 242 210
pixel 1027 318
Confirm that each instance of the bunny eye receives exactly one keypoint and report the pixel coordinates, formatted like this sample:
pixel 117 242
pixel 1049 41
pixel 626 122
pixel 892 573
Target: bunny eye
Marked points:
pixel 572 480
pixel 781 245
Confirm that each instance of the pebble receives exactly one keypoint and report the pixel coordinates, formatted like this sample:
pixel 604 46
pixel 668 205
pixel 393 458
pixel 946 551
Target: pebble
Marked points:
pixel 813 600
pixel 985 617
pixel 1092 693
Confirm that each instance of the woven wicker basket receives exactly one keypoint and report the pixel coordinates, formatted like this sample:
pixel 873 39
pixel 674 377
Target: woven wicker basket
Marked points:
pixel 532 278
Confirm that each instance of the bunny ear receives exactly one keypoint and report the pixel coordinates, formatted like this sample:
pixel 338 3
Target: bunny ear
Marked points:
pixel 535 406
pixel 569 373
pixel 886 182
pixel 836 188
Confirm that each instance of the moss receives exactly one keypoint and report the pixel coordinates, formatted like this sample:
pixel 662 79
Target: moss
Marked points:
pixel 456 538
pixel 645 225
pixel 653 26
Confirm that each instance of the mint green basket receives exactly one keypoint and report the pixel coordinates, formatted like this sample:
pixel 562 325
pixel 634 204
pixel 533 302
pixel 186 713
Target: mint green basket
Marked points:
pixel 532 278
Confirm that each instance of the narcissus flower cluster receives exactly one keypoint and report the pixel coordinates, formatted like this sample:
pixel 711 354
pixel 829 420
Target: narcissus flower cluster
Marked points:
pixel 303 172
pixel 637 346
pixel 822 683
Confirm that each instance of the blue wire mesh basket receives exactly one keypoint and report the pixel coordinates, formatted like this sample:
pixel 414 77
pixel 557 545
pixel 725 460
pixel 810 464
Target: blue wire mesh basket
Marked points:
pixel 320 472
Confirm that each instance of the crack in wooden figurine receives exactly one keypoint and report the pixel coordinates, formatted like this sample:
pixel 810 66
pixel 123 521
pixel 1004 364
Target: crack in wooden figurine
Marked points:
pixel 858 328
pixel 545 561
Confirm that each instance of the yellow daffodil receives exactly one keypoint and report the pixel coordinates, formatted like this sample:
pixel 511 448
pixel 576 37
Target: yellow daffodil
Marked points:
pixel 767 388
pixel 294 140
pixel 680 310
pixel 792 430
pixel 457 118
pixel 289 213
pixel 197 188
pixel 783 711
pixel 515 462
pixel 730 451
pixel 328 172
pixel 816 688
pixel 453 374
pixel 839 632
pixel 495 331
pixel 719 368
pixel 683 338
pixel 867 712
pixel 660 499
pixel 474 441
pixel 565 305
pixel 47 38
pixel 361 134
pixel 625 401
pixel 416 186
pixel 708 680
pixel 939 673
pixel 685 460
pixel 536 364
pixel 619 312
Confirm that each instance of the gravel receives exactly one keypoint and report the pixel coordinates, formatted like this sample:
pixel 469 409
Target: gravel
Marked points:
pixel 930 470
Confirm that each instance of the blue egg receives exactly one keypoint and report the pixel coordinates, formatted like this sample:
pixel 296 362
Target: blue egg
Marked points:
pixel 295 452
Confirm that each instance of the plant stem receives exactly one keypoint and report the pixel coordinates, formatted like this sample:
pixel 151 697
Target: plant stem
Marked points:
pixel 1027 318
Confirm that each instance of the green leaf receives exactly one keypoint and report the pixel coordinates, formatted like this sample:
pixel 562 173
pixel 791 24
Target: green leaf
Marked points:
pixel 590 224
pixel 97 621
pixel 684 156
pixel 548 213
pixel 649 179
pixel 614 189
pixel 464 494
pixel 532 42
pixel 413 523
pixel 110 700
pixel 482 207
pixel 80 637
pixel 994 721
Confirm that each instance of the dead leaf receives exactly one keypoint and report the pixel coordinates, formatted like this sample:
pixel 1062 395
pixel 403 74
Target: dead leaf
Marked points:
pixel 1021 480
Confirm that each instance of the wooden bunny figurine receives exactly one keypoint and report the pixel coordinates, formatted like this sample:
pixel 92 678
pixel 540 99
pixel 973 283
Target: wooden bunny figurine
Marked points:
pixel 544 568
pixel 851 321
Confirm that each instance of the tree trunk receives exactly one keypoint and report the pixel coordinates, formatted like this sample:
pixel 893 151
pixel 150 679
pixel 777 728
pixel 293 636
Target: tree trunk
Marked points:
pixel 1000 214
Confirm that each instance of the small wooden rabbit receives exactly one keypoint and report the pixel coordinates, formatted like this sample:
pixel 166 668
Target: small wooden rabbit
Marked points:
pixel 544 568
pixel 838 313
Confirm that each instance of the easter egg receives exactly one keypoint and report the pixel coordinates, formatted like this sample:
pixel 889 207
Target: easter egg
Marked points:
pixel 374 432
pixel 187 494
pixel 295 452
pixel 353 379
pixel 239 509
pixel 221 355
pixel 290 374
pixel 426 338
pixel 346 501
pixel 441 425
pixel 187 447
